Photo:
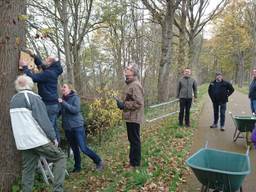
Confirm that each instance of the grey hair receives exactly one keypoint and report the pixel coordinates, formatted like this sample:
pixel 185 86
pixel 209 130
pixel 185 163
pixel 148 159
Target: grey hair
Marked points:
pixel 135 68
pixel 23 82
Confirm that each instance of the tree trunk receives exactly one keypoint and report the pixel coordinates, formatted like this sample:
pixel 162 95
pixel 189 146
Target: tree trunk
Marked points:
pixel 195 44
pixel 182 37
pixel 12 33
pixel 240 68
pixel 197 47
pixel 77 71
pixel 251 14
pixel 166 55
pixel 62 9
pixel 254 47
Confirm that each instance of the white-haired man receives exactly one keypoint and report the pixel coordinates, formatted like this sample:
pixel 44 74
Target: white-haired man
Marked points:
pixel 133 112
pixel 34 134
pixel 47 82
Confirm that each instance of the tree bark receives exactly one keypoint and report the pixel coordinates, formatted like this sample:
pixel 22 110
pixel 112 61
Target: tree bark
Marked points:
pixel 166 55
pixel 240 56
pixel 12 33
pixel 182 36
pixel 77 71
pixel 62 9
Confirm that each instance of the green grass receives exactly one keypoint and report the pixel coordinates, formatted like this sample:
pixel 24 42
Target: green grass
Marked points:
pixel 165 146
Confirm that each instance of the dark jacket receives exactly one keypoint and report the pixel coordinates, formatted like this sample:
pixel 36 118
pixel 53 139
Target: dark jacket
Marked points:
pixel 186 87
pixel 47 80
pixel 70 111
pixel 220 91
pixel 252 90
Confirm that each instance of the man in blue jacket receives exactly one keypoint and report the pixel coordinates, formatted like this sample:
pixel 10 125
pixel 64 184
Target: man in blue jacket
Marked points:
pixel 252 92
pixel 47 83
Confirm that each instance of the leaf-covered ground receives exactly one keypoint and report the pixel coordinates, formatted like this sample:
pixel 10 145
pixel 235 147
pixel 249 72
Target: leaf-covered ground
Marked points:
pixel 165 147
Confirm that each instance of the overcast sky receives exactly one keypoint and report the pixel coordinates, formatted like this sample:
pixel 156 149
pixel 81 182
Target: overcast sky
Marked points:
pixel 208 28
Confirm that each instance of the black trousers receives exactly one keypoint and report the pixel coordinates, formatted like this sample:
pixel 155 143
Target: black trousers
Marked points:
pixel 133 132
pixel 219 108
pixel 185 105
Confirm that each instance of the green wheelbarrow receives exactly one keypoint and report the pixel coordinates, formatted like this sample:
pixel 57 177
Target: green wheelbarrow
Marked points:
pixel 244 126
pixel 220 170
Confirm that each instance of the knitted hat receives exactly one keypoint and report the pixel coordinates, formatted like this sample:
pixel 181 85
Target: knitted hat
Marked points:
pixel 218 73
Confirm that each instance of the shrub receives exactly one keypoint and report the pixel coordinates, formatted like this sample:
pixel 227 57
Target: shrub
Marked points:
pixel 102 113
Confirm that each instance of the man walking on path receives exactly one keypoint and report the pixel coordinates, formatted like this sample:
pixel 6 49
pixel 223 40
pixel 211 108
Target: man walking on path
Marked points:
pixel 34 135
pixel 185 89
pixel 252 92
pixel 219 91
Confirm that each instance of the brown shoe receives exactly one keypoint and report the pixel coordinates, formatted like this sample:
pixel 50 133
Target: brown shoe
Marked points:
pixel 129 167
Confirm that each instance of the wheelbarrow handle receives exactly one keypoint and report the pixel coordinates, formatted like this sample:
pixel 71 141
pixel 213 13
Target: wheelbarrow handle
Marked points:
pixel 206 145
pixel 248 150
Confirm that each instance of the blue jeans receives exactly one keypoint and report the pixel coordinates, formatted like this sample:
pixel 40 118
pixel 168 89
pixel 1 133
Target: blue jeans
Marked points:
pixel 219 108
pixel 53 111
pixel 76 138
pixel 253 106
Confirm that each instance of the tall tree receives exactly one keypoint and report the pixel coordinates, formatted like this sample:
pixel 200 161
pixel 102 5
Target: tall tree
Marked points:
pixel 232 56
pixel 11 39
pixel 76 18
pixel 180 23
pixel 251 19
pixel 163 12
pixel 197 19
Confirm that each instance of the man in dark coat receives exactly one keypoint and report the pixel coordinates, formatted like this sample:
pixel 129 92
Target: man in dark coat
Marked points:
pixel 219 91
pixel 252 92
pixel 47 82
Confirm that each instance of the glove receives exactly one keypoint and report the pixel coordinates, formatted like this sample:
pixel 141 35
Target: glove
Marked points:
pixel 120 104
pixel 55 142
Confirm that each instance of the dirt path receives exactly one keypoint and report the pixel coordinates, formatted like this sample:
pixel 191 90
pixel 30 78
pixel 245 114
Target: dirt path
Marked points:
pixel 238 105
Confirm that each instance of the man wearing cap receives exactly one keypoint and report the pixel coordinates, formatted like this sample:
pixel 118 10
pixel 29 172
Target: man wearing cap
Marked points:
pixel 219 90
pixel 252 92
pixel 47 81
